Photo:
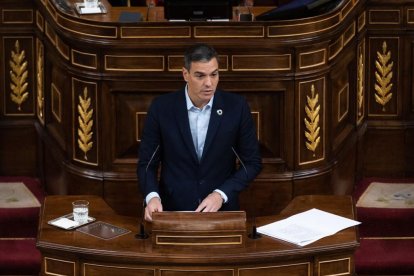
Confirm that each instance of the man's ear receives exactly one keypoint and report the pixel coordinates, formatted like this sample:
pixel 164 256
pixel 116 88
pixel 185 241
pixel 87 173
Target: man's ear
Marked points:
pixel 185 74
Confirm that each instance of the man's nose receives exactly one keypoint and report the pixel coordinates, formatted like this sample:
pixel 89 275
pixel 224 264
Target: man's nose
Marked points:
pixel 208 81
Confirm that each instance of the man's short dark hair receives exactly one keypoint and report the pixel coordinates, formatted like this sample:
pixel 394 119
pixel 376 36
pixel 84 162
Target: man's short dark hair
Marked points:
pixel 199 52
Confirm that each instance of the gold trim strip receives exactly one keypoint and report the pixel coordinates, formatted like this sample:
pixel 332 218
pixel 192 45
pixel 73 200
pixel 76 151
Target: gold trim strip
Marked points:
pixel 137 114
pixel 370 12
pixel 304 54
pixel 161 61
pixel 336 260
pixel 62 48
pixel 40 21
pixel 209 270
pixel 347 9
pixel 170 30
pixel 346 89
pixel 244 31
pixel 349 34
pixel 332 52
pixel 311 24
pixel 308 264
pixel 50 33
pixel 94 56
pixel 362 20
pixel 51 9
pixel 4 11
pixel 59 260
pixel 60 20
pixel 387 238
pixel 56 112
pixel 116 266
pixel 157 240
pixel 284 56
pixel 410 19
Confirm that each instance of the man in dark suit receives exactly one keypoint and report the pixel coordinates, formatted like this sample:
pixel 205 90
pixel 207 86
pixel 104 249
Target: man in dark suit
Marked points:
pixel 197 134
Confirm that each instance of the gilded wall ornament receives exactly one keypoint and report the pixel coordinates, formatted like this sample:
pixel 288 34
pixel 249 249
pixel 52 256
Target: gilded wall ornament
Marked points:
pixel 39 78
pixel 18 76
pixel 85 132
pixel 312 110
pixel 360 87
pixel 383 76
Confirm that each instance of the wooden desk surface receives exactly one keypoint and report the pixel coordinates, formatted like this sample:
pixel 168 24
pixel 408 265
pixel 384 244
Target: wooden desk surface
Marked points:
pixel 126 249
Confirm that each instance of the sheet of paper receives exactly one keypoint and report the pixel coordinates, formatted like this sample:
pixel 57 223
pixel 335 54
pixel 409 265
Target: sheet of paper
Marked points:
pixel 90 10
pixel 65 223
pixel 307 227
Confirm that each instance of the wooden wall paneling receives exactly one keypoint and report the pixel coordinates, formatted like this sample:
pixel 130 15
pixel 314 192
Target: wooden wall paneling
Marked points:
pixel 123 196
pixel 266 197
pixel 384 152
pixel 319 183
pixel 18 148
pixel 18 139
pixel 96 66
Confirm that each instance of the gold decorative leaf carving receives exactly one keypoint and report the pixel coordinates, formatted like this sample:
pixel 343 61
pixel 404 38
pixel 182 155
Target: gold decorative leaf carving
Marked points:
pixel 360 87
pixel 39 77
pixel 85 132
pixel 312 110
pixel 18 76
pixel 383 76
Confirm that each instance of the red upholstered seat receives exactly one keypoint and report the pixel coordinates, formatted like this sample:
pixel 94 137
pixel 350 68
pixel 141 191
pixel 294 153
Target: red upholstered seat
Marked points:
pixel 21 222
pixel 18 232
pixel 19 257
pixel 385 257
pixel 386 236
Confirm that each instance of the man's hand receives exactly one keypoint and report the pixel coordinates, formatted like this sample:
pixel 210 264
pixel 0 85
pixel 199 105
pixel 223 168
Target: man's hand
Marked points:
pixel 212 203
pixel 154 205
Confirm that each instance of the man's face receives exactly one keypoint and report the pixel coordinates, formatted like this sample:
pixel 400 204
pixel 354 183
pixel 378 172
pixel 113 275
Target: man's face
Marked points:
pixel 202 80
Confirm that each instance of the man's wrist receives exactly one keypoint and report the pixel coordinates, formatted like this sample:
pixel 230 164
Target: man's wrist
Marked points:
pixel 151 196
pixel 222 194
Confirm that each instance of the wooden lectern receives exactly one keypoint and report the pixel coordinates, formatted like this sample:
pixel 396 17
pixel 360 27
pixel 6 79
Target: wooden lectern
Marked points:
pixel 176 253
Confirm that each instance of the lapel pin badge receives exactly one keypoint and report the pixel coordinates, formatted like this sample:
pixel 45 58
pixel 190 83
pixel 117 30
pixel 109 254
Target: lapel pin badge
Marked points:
pixel 219 112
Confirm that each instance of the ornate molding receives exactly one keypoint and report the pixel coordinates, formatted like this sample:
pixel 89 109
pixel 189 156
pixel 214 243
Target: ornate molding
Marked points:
pixel 383 76
pixel 18 75
pixel 360 84
pixel 39 81
pixel 312 110
pixel 85 120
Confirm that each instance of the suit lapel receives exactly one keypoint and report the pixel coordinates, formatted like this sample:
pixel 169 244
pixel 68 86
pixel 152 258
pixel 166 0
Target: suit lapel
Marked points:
pixel 181 115
pixel 215 120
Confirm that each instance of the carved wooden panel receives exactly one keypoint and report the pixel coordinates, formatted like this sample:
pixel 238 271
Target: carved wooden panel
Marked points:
pixel 17 16
pixel 85 129
pixel 311 124
pixel 383 76
pixel 19 92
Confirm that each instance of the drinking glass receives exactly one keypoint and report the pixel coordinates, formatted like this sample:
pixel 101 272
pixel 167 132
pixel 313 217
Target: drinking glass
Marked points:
pixel 91 4
pixel 80 211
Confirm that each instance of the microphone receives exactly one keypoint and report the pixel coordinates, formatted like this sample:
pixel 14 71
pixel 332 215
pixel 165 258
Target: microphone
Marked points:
pixel 253 235
pixel 142 235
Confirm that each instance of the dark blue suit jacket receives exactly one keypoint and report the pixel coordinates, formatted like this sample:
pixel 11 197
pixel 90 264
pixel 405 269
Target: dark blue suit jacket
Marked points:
pixel 184 180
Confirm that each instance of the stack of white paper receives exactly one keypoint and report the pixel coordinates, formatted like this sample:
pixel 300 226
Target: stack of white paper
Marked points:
pixel 307 227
